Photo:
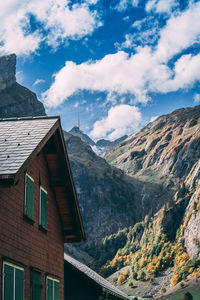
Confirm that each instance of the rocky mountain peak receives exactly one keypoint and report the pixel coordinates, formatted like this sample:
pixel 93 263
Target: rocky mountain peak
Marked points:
pixel 100 146
pixel 84 137
pixel 16 100
pixel 7 71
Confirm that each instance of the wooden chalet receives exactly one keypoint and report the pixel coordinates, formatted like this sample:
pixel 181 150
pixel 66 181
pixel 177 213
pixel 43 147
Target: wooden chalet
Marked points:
pixel 39 209
pixel 85 284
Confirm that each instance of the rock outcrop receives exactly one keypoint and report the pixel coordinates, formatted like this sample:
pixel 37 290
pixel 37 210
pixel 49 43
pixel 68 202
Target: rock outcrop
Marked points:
pixel 192 214
pixel 7 71
pixel 16 100
pixel 163 151
pixel 76 131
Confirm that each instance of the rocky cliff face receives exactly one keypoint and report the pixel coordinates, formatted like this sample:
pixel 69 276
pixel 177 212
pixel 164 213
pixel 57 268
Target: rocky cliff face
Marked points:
pixel 192 214
pixel 7 71
pixel 16 100
pixel 164 151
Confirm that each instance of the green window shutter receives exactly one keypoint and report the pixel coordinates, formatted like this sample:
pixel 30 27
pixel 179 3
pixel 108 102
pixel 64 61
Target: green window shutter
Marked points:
pixel 49 289
pixel 29 196
pixel 8 282
pixel 43 207
pixel 19 284
pixel 36 286
pixel 56 290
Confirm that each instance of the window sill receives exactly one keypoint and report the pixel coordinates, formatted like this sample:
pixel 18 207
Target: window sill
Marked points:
pixel 43 229
pixel 28 219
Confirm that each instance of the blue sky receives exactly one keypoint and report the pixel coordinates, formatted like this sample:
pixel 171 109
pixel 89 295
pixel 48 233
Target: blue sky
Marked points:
pixel 116 63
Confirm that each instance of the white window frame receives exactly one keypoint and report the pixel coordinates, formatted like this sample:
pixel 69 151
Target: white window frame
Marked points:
pixel 31 178
pixel 40 209
pixel 14 267
pixel 54 280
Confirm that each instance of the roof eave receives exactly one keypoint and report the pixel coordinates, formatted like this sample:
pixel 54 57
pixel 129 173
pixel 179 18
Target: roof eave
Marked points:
pixel 7 179
pixel 81 236
pixel 115 294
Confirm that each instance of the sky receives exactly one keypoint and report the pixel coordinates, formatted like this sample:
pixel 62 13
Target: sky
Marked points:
pixel 117 64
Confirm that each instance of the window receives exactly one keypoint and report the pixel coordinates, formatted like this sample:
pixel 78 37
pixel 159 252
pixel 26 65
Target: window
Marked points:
pixel 13 282
pixel 53 289
pixel 29 193
pixel 36 285
pixel 43 208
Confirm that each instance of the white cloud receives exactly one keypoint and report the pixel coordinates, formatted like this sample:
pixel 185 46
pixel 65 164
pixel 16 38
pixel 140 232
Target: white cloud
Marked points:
pixel 38 81
pixel 161 6
pixel 58 22
pixel 120 120
pixel 197 98
pixel 119 74
pixel 123 4
pixel 76 104
pixel 186 72
pixel 137 74
pixel 146 37
pixel 150 5
pixel 114 73
pixel 20 77
pixel 179 33
pixel 164 6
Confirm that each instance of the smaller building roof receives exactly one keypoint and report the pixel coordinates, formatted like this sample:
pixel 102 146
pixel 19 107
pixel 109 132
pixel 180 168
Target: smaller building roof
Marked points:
pixel 105 284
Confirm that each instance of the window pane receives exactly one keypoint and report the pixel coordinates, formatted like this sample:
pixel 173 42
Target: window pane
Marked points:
pixel 8 282
pixel 36 286
pixel 19 284
pixel 56 290
pixel 49 289
pixel 43 208
pixel 29 196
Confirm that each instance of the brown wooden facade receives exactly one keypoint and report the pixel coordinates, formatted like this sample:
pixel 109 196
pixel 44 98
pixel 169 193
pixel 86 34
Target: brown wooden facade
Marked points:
pixel 24 244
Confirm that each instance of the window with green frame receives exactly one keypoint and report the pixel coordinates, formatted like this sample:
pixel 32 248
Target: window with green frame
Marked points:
pixel 29 196
pixel 43 208
pixel 53 288
pixel 13 282
pixel 36 285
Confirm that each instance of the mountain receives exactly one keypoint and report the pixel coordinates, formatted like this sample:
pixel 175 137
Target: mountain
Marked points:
pixel 109 199
pixel 101 145
pixel 76 131
pixel 16 100
pixel 163 250
pixel 163 151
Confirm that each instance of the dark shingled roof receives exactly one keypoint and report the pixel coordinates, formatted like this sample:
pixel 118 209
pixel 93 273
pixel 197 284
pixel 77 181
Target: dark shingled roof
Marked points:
pixel 18 139
pixel 96 277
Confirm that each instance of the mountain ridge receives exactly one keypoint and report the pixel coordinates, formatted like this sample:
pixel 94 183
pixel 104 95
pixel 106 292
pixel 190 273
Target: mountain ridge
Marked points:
pixel 98 147
pixel 166 243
